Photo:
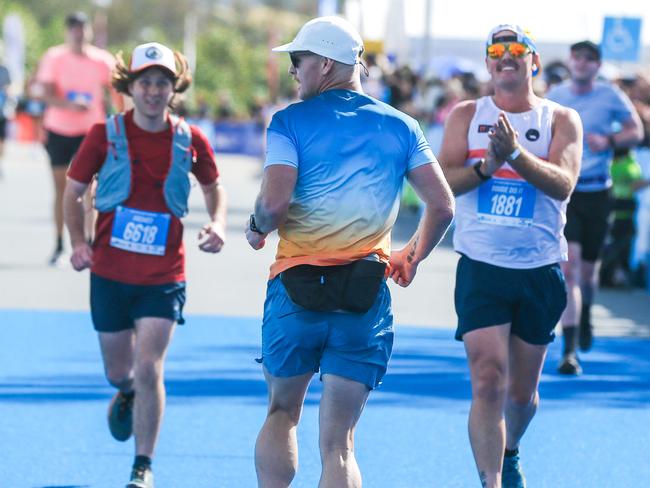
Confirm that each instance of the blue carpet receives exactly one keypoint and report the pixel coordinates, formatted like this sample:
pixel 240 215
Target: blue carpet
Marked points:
pixel 590 431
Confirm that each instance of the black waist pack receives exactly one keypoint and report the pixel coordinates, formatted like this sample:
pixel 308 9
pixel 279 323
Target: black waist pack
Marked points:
pixel 351 287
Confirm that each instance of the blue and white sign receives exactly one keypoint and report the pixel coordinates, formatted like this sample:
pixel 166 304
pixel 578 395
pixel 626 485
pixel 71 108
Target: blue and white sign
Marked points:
pixel 621 39
pixel 139 231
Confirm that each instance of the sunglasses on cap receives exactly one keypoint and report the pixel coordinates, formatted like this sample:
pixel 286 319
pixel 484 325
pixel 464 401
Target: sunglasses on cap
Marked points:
pixel 498 49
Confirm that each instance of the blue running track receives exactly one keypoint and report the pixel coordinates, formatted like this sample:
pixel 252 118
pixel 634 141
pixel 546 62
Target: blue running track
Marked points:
pixel 590 431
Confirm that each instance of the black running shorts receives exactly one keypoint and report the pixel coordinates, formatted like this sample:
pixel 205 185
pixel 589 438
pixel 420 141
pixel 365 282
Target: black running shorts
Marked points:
pixel 61 149
pixel 588 221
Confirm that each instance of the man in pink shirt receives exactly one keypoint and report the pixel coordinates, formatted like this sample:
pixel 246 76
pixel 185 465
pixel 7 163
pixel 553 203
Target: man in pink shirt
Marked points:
pixel 75 77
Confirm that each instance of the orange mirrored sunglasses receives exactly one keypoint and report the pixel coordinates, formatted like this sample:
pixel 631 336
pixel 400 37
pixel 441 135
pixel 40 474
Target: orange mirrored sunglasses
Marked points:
pixel 498 49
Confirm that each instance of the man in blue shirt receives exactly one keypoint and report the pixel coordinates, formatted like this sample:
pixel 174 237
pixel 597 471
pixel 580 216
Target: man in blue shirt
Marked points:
pixel 333 174
pixel 602 107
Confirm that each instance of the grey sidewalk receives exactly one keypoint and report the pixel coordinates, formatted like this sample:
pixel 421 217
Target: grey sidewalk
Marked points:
pixel 233 282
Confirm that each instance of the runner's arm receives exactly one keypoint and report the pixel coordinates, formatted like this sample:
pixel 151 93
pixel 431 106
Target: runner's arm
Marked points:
pixel 439 206
pixel 51 98
pixel 432 188
pixel 73 212
pixel 631 133
pixel 557 176
pixel 212 236
pixel 453 152
pixel 272 203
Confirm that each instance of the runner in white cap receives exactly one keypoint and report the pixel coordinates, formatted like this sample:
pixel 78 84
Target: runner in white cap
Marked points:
pixel 333 174
pixel 142 159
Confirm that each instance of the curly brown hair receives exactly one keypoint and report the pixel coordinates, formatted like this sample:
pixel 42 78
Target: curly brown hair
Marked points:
pixel 122 77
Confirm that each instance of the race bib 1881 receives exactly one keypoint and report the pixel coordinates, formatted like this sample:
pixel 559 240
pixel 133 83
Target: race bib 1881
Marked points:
pixel 139 231
pixel 506 202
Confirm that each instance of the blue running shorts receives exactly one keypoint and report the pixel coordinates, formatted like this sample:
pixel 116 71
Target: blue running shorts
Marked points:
pixel 354 346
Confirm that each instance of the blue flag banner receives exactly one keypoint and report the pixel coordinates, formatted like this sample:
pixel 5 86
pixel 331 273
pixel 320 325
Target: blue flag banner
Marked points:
pixel 621 39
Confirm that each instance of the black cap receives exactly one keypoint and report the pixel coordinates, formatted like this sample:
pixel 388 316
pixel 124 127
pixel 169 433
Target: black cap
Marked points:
pixel 76 18
pixel 588 45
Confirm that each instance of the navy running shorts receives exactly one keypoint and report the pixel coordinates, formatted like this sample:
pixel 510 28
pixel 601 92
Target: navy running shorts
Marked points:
pixel 114 306
pixel 531 300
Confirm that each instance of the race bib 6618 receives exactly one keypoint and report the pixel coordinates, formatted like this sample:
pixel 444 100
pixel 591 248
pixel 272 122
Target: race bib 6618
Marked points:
pixel 140 231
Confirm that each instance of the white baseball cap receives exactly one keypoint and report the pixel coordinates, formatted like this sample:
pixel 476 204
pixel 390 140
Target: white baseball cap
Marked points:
pixel 521 35
pixel 152 54
pixel 332 37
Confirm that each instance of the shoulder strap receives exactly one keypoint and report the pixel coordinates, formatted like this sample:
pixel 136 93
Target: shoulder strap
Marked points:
pixel 115 129
pixel 181 128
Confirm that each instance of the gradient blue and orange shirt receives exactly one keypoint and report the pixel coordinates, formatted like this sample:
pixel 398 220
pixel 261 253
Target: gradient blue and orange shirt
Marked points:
pixel 352 153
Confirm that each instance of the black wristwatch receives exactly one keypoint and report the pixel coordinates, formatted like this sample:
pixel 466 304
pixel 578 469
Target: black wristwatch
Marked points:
pixel 477 170
pixel 252 226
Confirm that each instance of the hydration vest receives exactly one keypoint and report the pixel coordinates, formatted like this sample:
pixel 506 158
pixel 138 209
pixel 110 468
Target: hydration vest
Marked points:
pixel 114 177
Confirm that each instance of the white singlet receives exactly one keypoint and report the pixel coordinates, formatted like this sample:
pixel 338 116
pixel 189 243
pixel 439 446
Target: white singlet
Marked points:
pixel 506 221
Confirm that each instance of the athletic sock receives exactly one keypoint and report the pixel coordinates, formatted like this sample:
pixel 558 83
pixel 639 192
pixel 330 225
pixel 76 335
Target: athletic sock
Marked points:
pixel 59 243
pixel 585 314
pixel 142 461
pixel 570 336
pixel 128 396
pixel 511 453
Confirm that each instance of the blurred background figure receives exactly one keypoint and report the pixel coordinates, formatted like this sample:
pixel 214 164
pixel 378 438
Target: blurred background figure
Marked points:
pixel 74 79
pixel 555 73
pixel 627 179
pixel 610 123
pixel 5 82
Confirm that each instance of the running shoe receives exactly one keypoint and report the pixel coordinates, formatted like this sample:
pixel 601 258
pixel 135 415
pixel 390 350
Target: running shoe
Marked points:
pixel 141 477
pixel 120 416
pixel 586 336
pixel 570 365
pixel 512 476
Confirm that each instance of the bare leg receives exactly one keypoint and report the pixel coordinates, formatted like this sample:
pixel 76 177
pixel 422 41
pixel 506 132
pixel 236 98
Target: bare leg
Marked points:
pixel 487 354
pixel 276 449
pixel 572 273
pixel 572 270
pixel 153 336
pixel 59 177
pixel 340 408
pixel 526 361
pixel 118 350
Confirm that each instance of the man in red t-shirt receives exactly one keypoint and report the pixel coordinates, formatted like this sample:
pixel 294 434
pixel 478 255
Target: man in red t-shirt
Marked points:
pixel 142 159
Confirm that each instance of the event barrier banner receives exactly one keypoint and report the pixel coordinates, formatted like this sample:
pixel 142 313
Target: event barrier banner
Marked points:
pixel 237 137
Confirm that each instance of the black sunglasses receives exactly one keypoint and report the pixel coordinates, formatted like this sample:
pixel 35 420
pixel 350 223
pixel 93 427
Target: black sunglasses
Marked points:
pixel 297 57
